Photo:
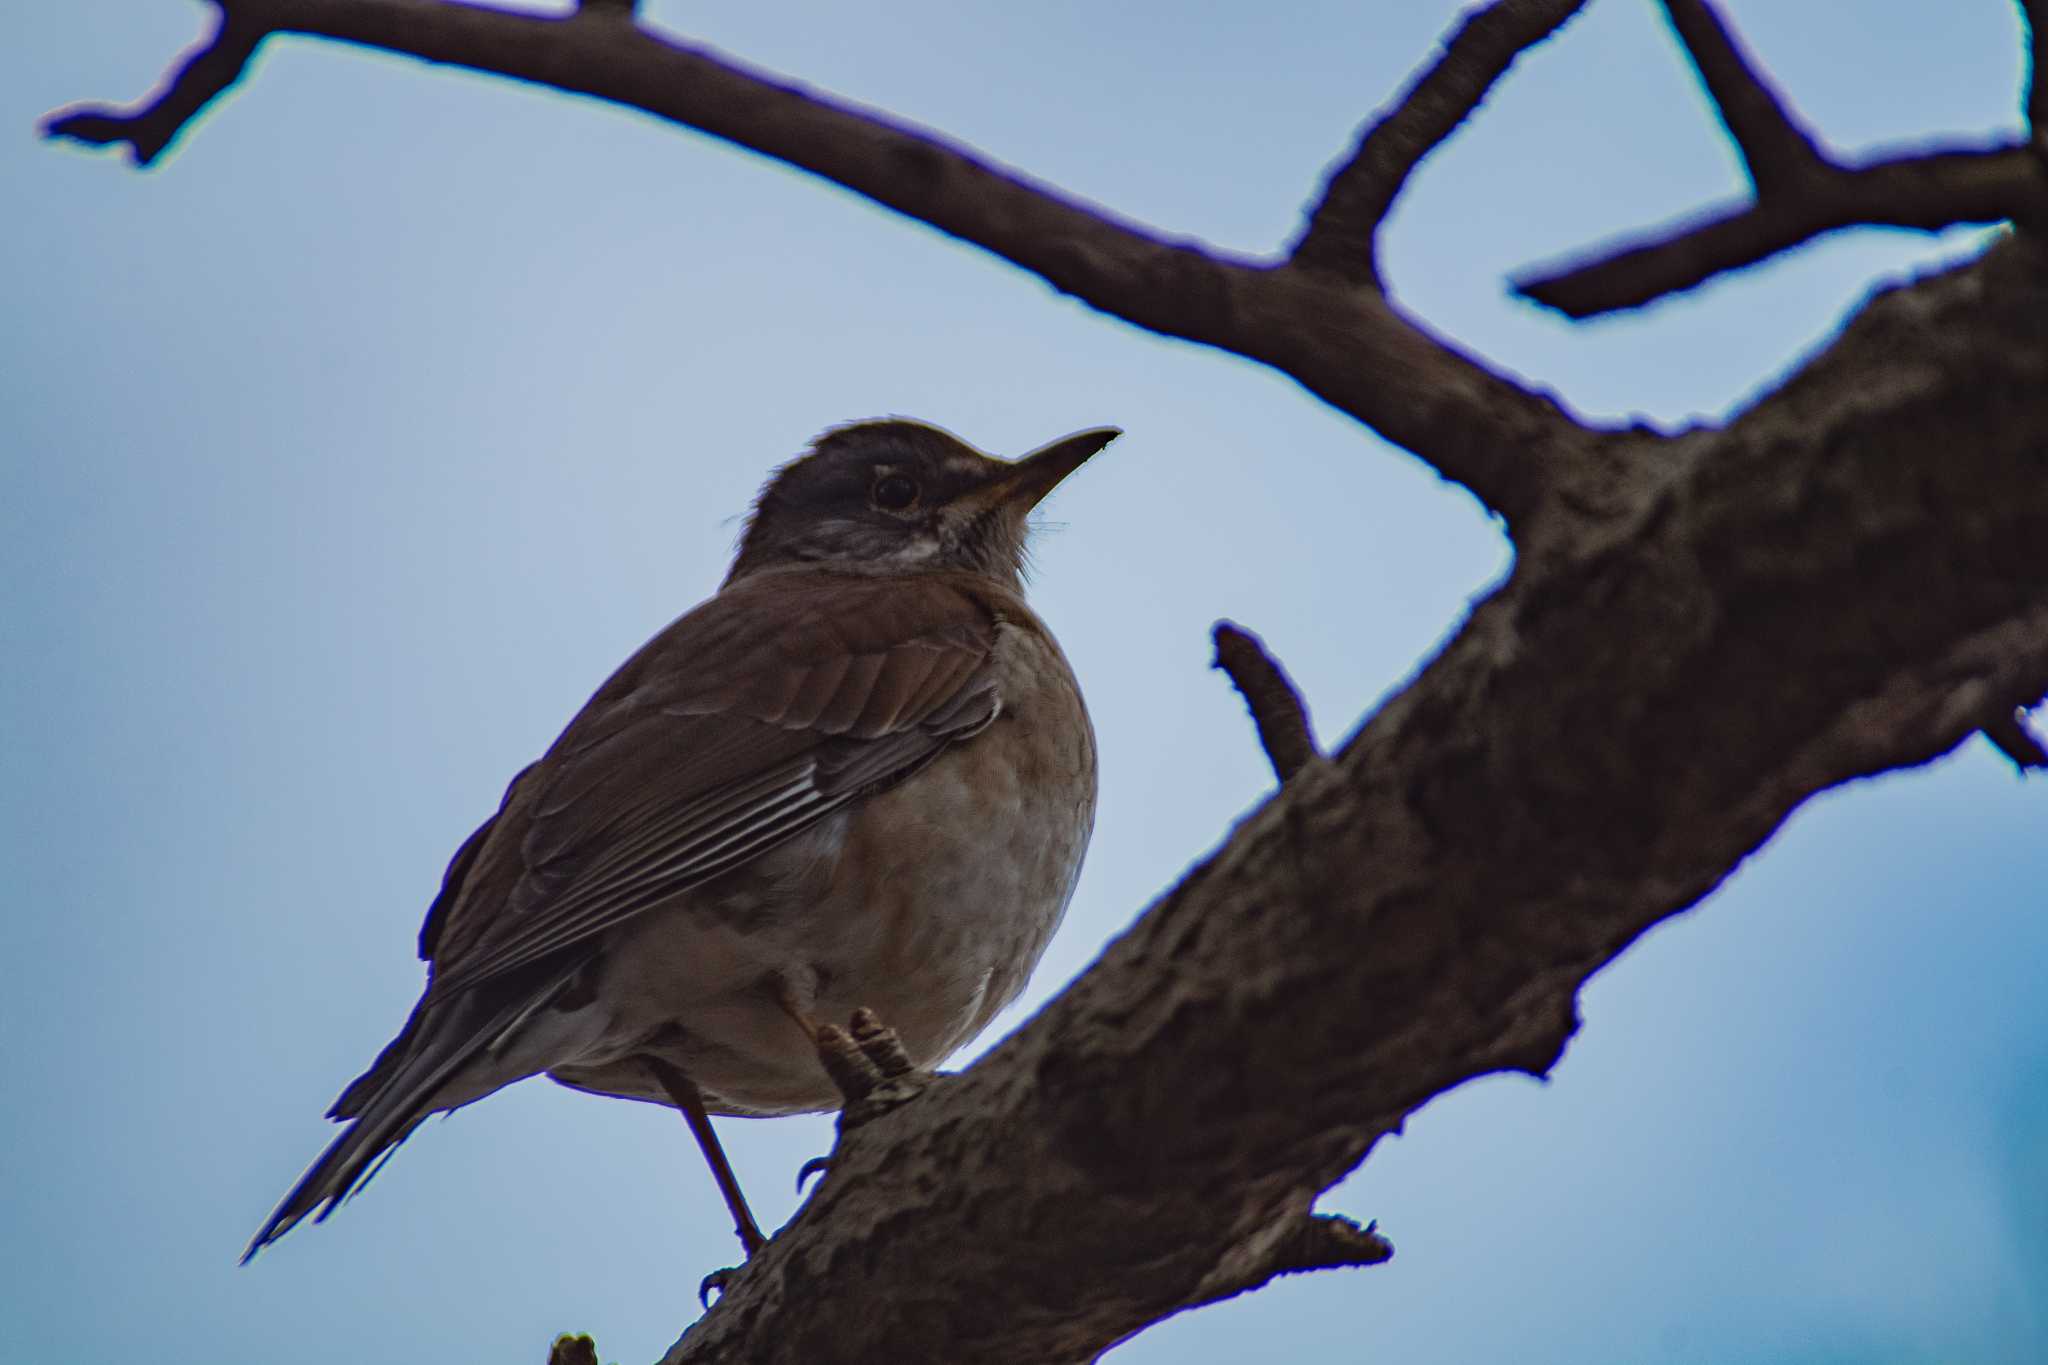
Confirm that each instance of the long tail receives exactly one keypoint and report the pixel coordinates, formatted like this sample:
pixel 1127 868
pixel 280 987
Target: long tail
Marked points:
pixel 402 1088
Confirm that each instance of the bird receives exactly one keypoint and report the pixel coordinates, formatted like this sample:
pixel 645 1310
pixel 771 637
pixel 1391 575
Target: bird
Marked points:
pixel 855 783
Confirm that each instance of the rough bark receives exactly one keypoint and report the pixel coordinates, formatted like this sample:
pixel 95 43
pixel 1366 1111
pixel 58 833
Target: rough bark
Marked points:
pixel 1701 631
pixel 1851 577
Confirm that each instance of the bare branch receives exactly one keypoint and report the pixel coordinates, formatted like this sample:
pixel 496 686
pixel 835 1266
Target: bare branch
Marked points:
pixel 1338 236
pixel 1351 348
pixel 1927 192
pixel 1779 153
pixel 1270 695
pixel 1800 192
pixel 1585 758
pixel 152 124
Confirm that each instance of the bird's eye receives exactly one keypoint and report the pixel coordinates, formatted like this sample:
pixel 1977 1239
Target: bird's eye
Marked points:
pixel 894 492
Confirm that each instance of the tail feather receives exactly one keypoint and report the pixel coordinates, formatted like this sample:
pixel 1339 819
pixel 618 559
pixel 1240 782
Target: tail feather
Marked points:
pixel 402 1088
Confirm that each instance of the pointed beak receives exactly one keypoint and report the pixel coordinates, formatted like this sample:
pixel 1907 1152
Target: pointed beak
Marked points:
pixel 1032 476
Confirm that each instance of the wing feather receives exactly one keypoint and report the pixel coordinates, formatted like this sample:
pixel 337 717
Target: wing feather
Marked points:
pixel 741 725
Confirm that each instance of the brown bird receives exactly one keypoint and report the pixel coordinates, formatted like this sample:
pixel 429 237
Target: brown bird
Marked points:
pixel 859 778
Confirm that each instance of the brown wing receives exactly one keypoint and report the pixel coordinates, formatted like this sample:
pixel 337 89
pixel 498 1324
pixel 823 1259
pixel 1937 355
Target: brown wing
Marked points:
pixel 742 724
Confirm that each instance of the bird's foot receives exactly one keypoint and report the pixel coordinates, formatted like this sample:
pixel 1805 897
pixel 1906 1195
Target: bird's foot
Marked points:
pixel 817 1165
pixel 868 1063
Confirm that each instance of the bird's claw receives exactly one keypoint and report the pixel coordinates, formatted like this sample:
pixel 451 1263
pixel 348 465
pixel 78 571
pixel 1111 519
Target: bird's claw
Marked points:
pixel 817 1165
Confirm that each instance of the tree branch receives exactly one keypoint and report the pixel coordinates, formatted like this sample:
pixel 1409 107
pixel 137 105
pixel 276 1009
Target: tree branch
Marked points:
pixel 1800 192
pixel 1271 697
pixel 1867 548
pixel 1777 151
pixel 1926 192
pixel 152 125
pixel 1351 348
pixel 1584 759
pixel 1339 233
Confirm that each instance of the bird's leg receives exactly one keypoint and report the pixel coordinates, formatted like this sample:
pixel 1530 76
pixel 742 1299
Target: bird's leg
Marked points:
pixel 683 1091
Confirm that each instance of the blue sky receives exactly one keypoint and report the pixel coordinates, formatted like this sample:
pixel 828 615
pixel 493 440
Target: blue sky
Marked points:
pixel 346 451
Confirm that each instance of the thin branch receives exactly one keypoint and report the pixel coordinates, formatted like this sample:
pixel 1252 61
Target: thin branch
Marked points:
pixel 1271 697
pixel 1511 447
pixel 1800 192
pixel 1338 235
pixel 1588 755
pixel 152 124
pixel 1926 192
pixel 1779 153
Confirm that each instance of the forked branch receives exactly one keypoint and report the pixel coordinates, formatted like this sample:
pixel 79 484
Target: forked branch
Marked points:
pixel 1801 192
pixel 1349 348
pixel 1839 582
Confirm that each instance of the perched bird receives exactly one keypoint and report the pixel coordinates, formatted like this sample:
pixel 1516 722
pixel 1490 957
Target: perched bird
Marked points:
pixel 859 778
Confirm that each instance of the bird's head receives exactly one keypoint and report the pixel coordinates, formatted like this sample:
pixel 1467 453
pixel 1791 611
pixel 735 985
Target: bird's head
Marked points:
pixel 898 494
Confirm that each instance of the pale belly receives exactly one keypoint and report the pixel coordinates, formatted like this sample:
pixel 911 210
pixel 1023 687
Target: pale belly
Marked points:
pixel 929 903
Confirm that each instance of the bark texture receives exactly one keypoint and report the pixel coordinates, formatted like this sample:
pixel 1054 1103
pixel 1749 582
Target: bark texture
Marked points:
pixel 1850 578
pixel 1701 631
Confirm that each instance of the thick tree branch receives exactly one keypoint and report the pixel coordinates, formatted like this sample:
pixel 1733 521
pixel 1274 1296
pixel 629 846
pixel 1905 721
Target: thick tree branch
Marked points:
pixel 1339 233
pixel 1584 759
pixel 1800 192
pixel 1271 697
pixel 1349 347
pixel 1867 548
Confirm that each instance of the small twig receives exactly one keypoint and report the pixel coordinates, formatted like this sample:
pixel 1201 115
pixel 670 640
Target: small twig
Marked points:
pixel 1271 697
pixel 152 123
pixel 2010 735
pixel 1800 191
pixel 1779 153
pixel 1338 236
